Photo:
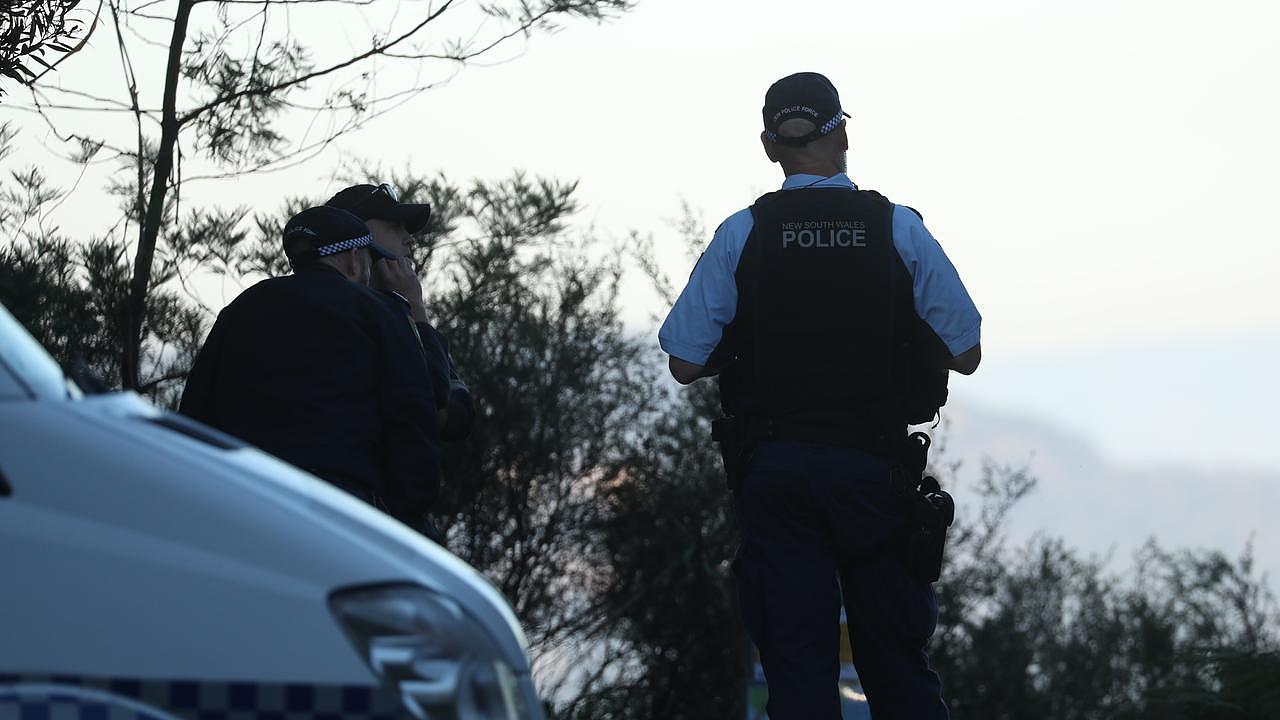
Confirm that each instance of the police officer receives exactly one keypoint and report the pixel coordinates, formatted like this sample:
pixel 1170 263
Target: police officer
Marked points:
pixel 819 307
pixel 393 224
pixel 315 369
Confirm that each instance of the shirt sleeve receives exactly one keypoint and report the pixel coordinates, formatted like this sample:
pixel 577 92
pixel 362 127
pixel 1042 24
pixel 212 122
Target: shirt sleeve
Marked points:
pixel 695 326
pixel 941 299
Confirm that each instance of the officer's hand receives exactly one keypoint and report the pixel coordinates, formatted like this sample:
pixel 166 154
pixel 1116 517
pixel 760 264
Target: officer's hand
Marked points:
pixel 398 276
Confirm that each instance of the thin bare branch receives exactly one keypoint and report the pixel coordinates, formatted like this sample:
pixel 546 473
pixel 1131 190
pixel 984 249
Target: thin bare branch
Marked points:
pixel 144 16
pixel 262 36
pixel 306 153
pixel 191 294
pixel 463 57
pixel 89 96
pixel 146 5
pixel 167 377
pixel 39 109
pixel 131 83
pixel 377 49
pixel 146 40
pixel 288 2
pixel 80 108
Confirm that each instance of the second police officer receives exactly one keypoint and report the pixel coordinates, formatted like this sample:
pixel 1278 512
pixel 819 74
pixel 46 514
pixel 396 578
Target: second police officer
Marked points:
pixel 821 307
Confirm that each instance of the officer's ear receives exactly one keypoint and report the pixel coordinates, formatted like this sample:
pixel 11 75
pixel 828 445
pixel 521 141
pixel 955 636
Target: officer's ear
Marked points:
pixel 770 147
pixel 843 136
pixel 347 263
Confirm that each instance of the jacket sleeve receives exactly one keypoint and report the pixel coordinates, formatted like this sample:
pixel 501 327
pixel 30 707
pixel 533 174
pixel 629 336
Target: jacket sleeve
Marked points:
pixel 455 393
pixel 198 395
pixel 437 355
pixel 462 410
pixel 407 407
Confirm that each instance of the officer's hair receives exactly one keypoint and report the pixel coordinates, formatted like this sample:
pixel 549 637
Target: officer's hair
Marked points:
pixel 296 245
pixel 823 147
pixel 796 127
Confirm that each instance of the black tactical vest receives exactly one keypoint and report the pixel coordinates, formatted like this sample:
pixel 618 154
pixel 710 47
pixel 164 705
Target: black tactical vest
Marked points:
pixel 826 332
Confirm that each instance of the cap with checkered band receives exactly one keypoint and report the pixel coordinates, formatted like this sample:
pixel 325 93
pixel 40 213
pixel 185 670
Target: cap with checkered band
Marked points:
pixel 321 231
pixel 805 96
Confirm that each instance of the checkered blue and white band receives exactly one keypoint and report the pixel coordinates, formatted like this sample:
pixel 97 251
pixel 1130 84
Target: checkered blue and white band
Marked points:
pixel 51 697
pixel 831 124
pixel 345 245
pixel 825 128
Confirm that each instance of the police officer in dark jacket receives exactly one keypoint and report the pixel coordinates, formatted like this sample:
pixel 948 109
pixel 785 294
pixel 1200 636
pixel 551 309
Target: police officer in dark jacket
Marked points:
pixel 825 309
pixel 315 369
pixel 393 224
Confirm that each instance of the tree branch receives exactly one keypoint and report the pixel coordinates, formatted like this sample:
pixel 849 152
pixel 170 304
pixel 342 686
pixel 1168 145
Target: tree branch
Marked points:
pixel 74 48
pixel 377 49
pixel 167 377
pixel 117 105
pixel 146 5
pixel 150 227
pixel 71 137
pixel 288 2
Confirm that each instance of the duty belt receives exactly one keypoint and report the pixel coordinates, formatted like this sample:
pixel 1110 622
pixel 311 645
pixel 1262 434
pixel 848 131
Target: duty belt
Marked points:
pixel 881 442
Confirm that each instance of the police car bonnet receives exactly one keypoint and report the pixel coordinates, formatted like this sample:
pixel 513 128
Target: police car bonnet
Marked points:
pixel 806 96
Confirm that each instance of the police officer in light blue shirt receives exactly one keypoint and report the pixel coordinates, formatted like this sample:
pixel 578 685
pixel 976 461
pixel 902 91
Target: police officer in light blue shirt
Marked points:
pixel 820 307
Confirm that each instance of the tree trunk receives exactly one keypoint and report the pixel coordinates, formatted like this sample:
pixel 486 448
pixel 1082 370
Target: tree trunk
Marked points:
pixel 149 231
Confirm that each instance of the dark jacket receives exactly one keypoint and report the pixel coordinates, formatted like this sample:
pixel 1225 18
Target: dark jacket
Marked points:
pixel 450 391
pixel 462 412
pixel 316 370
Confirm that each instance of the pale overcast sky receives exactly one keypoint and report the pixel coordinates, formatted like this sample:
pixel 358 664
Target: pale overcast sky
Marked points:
pixel 1103 174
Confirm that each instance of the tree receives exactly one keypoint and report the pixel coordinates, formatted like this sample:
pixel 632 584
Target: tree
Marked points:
pixel 563 394
pixel 32 29
pixel 1040 631
pixel 670 536
pixel 221 107
pixel 69 292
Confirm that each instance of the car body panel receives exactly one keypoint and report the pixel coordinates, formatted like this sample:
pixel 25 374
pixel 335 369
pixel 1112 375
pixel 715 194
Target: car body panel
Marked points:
pixel 136 554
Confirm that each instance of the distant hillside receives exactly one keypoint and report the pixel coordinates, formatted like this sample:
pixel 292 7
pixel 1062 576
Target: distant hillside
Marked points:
pixel 1100 506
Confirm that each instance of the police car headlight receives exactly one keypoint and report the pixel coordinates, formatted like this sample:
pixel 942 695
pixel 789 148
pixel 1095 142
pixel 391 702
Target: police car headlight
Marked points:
pixel 441 660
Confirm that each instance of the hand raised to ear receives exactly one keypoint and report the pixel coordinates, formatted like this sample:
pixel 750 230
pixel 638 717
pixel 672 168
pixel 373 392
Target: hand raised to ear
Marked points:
pixel 398 276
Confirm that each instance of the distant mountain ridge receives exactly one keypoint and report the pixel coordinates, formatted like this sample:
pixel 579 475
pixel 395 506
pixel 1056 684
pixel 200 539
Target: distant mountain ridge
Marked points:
pixel 1100 506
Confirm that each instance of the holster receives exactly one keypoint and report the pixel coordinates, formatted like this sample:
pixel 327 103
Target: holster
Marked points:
pixel 932 511
pixel 733 435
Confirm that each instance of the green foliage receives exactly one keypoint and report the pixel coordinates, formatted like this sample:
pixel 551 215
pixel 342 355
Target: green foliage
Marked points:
pixel 1237 685
pixel 33 33
pixel 670 535
pixel 238 128
pixel 1040 631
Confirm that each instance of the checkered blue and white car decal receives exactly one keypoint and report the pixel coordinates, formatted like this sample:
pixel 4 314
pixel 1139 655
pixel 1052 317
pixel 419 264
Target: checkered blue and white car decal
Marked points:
pixel 55 697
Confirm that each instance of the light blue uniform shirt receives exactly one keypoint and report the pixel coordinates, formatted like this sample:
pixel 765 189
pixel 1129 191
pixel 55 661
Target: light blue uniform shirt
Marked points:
pixel 708 303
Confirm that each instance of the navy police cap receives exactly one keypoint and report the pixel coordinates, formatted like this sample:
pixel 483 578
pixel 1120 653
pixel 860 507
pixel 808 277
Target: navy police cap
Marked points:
pixel 321 231
pixel 381 202
pixel 806 96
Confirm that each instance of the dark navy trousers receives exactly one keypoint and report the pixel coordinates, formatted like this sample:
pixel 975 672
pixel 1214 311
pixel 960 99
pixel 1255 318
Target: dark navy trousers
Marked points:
pixel 811 518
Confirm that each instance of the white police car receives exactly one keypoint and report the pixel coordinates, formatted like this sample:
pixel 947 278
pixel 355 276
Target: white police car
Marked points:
pixel 153 568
